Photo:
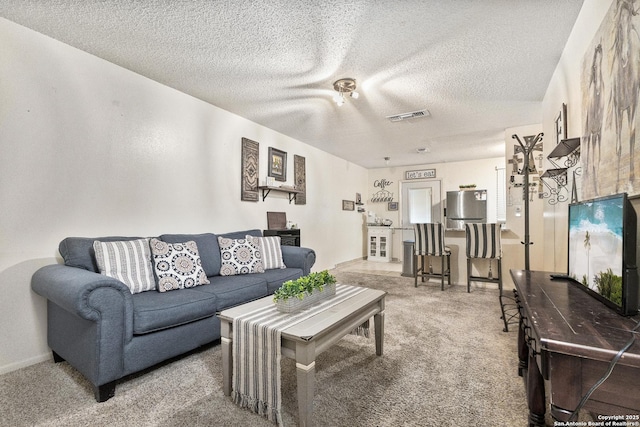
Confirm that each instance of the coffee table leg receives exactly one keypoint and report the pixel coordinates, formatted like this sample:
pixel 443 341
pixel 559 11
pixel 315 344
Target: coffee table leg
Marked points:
pixel 306 378
pixel 378 321
pixel 227 357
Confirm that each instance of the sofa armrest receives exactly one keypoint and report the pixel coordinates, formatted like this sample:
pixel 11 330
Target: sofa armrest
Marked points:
pixel 84 293
pixel 89 322
pixel 297 257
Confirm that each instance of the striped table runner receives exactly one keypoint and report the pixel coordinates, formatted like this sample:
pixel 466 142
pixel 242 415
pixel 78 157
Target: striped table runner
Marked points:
pixel 257 353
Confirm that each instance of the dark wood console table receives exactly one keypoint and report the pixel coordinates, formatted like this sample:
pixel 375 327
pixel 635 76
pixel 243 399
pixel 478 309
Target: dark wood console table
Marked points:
pixel 289 237
pixel 568 338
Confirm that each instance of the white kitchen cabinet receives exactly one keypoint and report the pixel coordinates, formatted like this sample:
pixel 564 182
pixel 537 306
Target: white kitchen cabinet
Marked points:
pixel 379 244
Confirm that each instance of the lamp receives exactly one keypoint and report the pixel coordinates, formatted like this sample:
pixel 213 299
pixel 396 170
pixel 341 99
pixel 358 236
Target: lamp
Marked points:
pixel 344 86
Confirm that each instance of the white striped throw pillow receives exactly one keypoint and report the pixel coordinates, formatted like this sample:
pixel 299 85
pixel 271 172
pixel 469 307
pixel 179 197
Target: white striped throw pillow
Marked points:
pixel 128 261
pixel 271 251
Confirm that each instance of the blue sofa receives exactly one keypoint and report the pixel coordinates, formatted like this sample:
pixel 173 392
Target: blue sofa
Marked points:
pixel 105 332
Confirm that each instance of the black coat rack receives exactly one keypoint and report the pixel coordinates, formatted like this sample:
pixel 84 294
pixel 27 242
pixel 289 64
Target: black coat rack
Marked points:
pixel 527 147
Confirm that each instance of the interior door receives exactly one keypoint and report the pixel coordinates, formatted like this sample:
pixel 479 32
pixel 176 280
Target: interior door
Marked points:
pixel 419 202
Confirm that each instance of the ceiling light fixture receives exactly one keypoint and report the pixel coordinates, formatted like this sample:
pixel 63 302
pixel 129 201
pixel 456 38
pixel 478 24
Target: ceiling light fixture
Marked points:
pixel 344 86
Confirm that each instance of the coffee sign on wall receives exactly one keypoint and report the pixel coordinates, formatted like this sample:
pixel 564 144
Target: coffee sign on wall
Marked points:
pixel 420 174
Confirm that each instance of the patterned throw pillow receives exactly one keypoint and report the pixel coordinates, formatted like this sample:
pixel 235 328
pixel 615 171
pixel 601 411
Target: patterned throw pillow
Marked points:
pixel 271 251
pixel 177 265
pixel 128 261
pixel 239 256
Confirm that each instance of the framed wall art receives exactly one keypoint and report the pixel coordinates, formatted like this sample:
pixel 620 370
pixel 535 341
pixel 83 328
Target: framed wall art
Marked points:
pixel 277 164
pixel 348 205
pixel 249 170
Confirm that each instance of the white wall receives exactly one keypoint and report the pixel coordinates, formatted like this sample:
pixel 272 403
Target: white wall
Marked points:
pixel 91 149
pixel 564 87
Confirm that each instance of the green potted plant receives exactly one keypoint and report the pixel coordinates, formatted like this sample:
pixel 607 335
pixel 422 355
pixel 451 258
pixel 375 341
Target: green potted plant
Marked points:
pixel 297 294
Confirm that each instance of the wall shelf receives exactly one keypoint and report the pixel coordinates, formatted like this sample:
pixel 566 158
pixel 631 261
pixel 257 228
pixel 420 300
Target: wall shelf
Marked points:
pixel 565 148
pixel 569 150
pixel 292 192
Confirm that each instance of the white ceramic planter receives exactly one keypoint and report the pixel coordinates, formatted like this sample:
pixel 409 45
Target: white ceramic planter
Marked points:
pixel 291 305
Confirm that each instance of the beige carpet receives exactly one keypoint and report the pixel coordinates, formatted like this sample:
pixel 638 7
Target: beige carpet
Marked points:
pixel 446 363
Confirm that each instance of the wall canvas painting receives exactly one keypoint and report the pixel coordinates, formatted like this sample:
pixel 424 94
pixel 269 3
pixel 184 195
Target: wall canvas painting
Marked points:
pixel 610 94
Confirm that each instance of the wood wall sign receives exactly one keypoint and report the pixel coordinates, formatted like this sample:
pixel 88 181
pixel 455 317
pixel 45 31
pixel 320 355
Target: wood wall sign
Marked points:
pixel 300 179
pixel 249 170
pixel 420 174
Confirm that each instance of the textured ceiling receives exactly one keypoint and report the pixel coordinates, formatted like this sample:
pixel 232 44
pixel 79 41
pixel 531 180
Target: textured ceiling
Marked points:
pixel 477 66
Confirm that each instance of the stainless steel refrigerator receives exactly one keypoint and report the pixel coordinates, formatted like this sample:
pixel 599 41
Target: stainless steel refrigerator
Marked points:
pixel 465 206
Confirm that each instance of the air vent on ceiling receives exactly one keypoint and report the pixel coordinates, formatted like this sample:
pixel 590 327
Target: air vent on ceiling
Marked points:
pixel 411 115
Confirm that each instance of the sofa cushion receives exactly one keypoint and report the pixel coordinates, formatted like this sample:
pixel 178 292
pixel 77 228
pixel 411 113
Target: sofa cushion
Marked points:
pixel 271 252
pixel 128 261
pixel 208 249
pixel 153 311
pixel 177 265
pixel 242 234
pixel 239 256
pixel 235 290
pixel 276 277
pixel 78 251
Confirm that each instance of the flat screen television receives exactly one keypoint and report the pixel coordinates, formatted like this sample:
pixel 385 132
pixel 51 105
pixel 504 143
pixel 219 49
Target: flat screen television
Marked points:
pixel 602 250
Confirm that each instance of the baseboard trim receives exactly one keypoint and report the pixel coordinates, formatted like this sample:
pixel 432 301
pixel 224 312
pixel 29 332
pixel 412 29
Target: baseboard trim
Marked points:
pixel 24 363
pixel 342 264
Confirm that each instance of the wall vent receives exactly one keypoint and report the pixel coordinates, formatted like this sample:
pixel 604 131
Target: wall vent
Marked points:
pixel 410 115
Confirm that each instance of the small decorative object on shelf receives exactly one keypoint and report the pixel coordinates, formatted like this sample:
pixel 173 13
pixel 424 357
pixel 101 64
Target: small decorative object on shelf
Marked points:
pixel 295 295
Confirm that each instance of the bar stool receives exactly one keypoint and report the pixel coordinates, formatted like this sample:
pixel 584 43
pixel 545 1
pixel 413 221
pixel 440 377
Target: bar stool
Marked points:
pixel 429 242
pixel 483 241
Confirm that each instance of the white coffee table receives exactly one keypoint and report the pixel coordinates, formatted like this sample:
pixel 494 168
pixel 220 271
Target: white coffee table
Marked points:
pixel 304 341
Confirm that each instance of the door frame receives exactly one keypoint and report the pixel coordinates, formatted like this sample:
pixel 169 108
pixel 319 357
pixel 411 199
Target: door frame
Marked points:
pixel 437 208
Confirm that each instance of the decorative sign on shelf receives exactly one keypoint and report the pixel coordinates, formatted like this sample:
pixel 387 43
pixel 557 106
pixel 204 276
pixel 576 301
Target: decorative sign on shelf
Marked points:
pixel 420 174
pixel 382 195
